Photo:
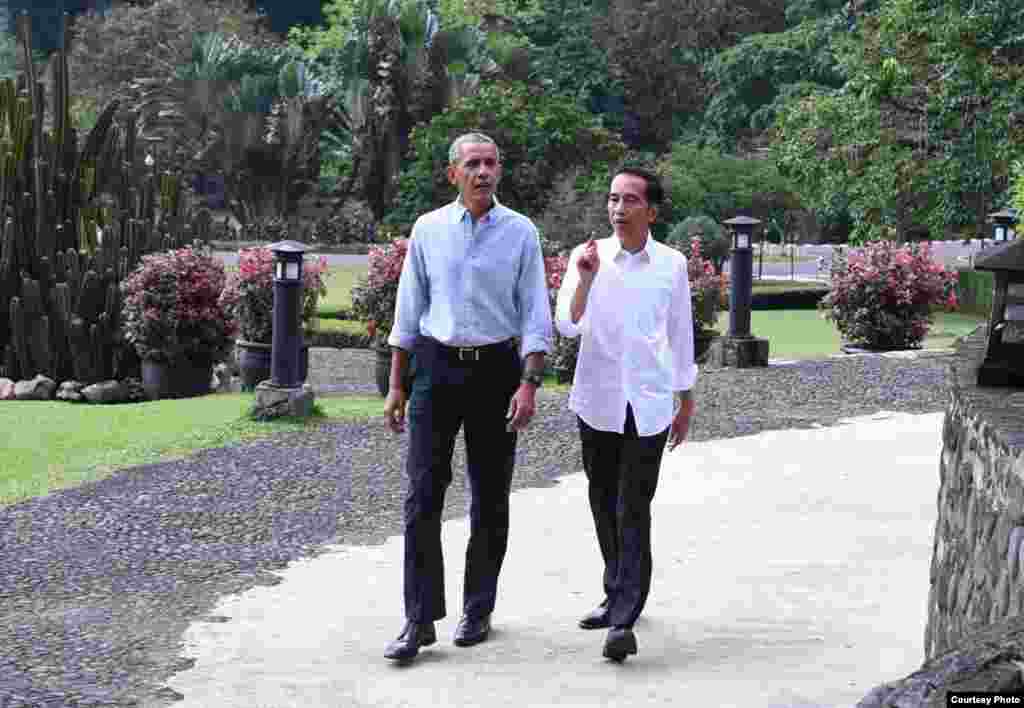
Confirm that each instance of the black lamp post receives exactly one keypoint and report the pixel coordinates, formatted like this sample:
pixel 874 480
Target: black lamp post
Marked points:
pixel 741 269
pixel 1002 222
pixel 1003 362
pixel 286 341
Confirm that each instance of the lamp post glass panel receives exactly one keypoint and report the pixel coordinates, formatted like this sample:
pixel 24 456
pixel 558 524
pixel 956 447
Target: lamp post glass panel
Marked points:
pixel 741 268
pixel 1002 223
pixel 286 339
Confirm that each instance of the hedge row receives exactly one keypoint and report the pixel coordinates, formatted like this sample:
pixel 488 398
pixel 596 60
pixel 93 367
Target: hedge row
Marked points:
pixel 788 300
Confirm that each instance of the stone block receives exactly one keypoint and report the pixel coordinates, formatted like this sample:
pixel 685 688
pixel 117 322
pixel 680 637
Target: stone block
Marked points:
pixel 273 402
pixel 739 352
pixel 70 391
pixel 106 392
pixel 41 388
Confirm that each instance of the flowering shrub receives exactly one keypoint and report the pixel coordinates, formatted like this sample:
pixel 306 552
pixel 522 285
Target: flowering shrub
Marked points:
pixel 248 296
pixel 171 307
pixel 564 350
pixel 375 295
pixel 881 297
pixel 708 291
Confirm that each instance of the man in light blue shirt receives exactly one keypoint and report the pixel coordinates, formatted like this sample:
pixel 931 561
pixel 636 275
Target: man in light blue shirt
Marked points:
pixel 472 306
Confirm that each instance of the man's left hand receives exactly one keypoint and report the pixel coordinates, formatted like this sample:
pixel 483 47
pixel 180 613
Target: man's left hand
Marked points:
pixel 680 426
pixel 521 408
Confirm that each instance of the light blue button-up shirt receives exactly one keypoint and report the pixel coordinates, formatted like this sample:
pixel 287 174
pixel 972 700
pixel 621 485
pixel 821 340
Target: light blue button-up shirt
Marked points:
pixel 467 284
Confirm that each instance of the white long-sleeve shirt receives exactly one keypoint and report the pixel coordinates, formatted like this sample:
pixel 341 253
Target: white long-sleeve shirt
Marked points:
pixel 636 334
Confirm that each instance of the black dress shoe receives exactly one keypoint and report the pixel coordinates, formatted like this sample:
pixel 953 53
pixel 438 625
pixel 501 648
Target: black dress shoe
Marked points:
pixel 472 630
pixel 619 643
pixel 408 643
pixel 597 618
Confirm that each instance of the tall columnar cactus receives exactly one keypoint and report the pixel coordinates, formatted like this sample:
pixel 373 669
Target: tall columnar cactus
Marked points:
pixel 73 224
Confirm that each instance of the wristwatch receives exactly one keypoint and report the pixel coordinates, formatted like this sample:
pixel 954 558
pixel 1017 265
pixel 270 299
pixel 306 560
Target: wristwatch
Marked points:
pixel 533 378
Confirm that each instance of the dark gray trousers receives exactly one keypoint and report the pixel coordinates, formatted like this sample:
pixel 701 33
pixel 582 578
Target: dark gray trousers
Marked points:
pixel 622 471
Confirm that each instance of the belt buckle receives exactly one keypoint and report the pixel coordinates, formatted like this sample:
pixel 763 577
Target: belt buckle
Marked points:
pixel 475 351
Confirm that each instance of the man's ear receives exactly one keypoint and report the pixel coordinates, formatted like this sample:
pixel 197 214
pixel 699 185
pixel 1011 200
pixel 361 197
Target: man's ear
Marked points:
pixel 451 174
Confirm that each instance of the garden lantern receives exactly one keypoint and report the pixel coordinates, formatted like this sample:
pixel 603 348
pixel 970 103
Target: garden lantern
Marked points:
pixel 739 347
pixel 1003 364
pixel 1002 222
pixel 741 268
pixel 286 340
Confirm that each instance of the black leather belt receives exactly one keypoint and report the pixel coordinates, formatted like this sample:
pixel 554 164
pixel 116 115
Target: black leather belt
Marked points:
pixel 474 353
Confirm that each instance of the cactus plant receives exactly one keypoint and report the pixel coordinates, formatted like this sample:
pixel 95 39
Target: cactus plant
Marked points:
pixel 75 226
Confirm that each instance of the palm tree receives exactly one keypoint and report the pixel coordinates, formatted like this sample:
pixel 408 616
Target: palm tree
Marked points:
pixel 393 72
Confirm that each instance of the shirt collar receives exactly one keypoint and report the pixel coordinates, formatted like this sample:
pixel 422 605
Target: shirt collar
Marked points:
pixel 647 250
pixel 488 218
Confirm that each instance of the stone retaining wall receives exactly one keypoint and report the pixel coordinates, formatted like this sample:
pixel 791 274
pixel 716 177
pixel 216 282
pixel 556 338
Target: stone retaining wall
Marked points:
pixel 978 556
pixel 974 636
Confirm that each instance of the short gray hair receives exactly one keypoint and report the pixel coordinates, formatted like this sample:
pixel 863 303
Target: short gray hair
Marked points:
pixel 453 151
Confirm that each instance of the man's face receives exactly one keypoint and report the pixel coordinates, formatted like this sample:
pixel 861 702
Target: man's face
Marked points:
pixel 628 209
pixel 476 174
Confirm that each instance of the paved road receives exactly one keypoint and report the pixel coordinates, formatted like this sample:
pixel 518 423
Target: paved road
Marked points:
pixel 783 577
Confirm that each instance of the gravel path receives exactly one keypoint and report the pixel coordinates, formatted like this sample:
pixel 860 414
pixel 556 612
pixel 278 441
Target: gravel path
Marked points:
pixel 98 583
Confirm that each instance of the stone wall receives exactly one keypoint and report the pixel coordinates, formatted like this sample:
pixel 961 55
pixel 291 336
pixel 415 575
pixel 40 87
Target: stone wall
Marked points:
pixel 975 631
pixel 978 557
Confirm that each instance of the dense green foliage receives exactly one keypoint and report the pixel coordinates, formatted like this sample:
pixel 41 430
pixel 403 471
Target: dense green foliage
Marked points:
pixel 920 137
pixel 703 181
pixel 540 135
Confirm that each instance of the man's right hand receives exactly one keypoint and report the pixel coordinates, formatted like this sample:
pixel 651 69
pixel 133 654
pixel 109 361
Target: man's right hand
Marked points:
pixel 589 262
pixel 394 410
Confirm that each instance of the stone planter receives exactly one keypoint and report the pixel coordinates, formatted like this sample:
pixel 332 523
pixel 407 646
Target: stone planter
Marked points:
pixel 181 379
pixel 254 362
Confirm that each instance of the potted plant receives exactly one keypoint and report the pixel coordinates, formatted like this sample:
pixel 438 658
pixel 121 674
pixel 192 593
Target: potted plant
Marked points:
pixel 708 295
pixel 248 298
pixel 373 302
pixel 172 316
pixel 881 297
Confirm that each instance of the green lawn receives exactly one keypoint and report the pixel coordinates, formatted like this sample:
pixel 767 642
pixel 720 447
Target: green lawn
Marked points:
pixel 327 324
pixel 47 445
pixel 339 289
pixel 782 286
pixel 805 334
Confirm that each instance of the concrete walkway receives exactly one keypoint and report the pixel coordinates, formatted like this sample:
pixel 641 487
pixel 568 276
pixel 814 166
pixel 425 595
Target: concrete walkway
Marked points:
pixel 791 569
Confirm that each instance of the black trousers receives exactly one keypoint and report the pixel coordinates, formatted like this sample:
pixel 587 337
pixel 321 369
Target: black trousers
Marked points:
pixel 448 394
pixel 622 471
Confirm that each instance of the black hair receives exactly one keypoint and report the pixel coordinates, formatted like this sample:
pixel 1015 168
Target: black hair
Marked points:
pixel 654 192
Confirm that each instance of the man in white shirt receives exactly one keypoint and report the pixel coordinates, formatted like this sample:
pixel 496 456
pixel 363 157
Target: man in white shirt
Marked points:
pixel 628 298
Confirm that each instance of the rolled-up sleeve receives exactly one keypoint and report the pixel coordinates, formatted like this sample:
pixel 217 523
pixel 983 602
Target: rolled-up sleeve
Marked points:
pixel 563 304
pixel 680 332
pixel 535 309
pixel 413 296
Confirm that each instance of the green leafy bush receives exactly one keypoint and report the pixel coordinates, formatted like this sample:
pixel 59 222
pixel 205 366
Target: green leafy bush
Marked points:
pixel 540 136
pixel 714 242
pixel 702 180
